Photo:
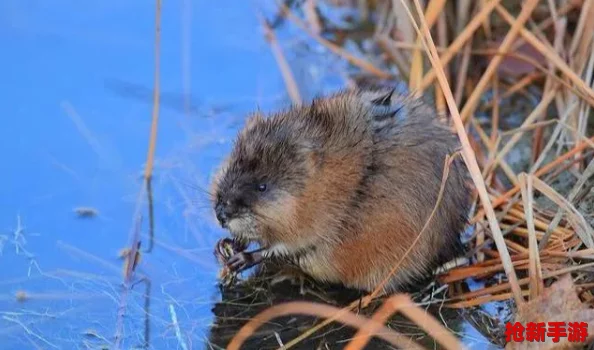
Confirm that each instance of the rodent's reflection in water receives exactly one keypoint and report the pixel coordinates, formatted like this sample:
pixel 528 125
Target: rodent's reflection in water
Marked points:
pixel 270 284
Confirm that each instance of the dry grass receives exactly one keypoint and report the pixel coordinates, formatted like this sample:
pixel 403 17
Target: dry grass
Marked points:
pixel 531 217
pixel 132 253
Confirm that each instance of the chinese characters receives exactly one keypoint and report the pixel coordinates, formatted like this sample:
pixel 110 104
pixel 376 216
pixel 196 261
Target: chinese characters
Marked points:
pixel 575 332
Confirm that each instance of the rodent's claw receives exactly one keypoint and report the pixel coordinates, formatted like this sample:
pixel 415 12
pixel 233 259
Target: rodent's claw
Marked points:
pixel 243 261
pixel 239 244
pixel 240 261
pixel 223 250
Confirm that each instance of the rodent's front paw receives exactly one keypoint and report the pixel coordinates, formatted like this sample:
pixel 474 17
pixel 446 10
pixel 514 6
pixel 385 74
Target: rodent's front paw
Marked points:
pixel 240 261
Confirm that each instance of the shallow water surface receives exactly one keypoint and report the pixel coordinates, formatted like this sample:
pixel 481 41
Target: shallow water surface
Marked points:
pixel 77 111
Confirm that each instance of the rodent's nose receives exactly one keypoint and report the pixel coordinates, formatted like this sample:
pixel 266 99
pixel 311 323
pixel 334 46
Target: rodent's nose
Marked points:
pixel 223 214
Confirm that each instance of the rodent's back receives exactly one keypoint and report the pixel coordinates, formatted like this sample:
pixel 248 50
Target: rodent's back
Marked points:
pixel 399 193
pixel 400 168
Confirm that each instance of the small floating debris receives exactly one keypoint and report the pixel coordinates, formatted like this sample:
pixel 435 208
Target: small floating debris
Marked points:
pixel 21 296
pixel 91 333
pixel 86 212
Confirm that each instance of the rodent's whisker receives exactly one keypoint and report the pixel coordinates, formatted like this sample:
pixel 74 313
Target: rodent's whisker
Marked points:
pixel 194 186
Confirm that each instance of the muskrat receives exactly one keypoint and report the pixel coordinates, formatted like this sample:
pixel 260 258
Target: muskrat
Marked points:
pixel 343 186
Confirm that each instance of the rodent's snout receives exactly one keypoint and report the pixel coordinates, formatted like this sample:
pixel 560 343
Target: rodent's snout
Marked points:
pixel 224 213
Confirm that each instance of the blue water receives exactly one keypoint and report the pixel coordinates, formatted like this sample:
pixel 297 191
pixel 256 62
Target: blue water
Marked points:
pixel 76 107
pixel 77 81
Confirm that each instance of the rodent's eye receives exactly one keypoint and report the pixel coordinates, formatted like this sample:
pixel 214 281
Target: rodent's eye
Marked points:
pixel 262 187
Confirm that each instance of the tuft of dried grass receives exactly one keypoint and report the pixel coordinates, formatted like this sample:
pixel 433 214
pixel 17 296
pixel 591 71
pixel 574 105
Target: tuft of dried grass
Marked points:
pixel 369 327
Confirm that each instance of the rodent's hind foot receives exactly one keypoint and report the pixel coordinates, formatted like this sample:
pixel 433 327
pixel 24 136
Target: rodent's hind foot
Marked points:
pixel 244 260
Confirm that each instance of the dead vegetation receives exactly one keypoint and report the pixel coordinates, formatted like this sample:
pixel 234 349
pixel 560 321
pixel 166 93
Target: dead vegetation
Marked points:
pixel 516 81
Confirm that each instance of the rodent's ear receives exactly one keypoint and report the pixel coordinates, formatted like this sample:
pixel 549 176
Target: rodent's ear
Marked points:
pixel 378 98
pixel 385 105
pixel 384 99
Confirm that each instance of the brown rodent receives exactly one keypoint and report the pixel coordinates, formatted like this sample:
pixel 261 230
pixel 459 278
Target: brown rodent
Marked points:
pixel 343 186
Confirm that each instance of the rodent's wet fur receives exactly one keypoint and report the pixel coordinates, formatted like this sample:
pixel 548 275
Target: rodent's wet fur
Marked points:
pixel 343 186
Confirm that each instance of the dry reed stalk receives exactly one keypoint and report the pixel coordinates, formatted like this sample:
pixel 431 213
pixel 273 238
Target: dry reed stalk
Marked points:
pixel 519 214
pixel 502 287
pixel 562 11
pixel 383 314
pixel 522 84
pixel 480 238
pixel 394 56
pixel 89 256
pixel 404 26
pixel 536 283
pixel 556 266
pixel 563 168
pixel 429 324
pixel 478 52
pixel 442 30
pixel 540 172
pixel 133 250
pixel 584 90
pixel 491 253
pixel 487 23
pixel 434 8
pixel 473 271
pixel 184 253
pixel 309 7
pixel 284 67
pixel 481 158
pixel 583 286
pixel 148 170
pixel 584 31
pixel 516 247
pixel 488 169
pixel 416 73
pixel 537 141
pixel 523 232
pixel 554 136
pixel 483 300
pixel 547 72
pixel 462 13
pixel 583 229
pixel 320 310
pixel 531 127
pixel 470 105
pixel 327 321
pixel 463 72
pixel 446 172
pixel 495 107
pixel 468 154
pixel 470 296
pixel 460 41
pixel 572 194
pixel 404 304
